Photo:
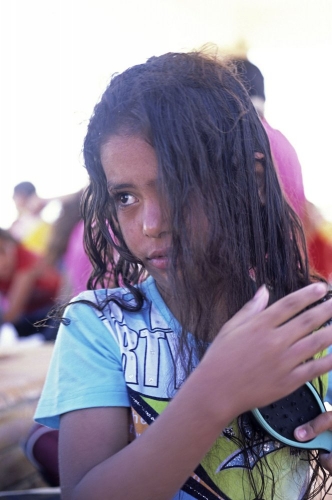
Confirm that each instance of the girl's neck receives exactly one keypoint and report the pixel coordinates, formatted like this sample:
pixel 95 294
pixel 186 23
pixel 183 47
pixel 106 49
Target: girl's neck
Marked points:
pixel 169 300
pixel 217 313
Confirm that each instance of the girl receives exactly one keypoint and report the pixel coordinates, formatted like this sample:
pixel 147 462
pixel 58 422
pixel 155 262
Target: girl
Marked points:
pixel 183 189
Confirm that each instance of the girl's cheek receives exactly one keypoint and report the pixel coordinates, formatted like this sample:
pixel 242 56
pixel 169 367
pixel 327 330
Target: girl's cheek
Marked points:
pixel 131 235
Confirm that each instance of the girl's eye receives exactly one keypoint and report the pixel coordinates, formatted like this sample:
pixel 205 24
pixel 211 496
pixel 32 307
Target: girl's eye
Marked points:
pixel 124 199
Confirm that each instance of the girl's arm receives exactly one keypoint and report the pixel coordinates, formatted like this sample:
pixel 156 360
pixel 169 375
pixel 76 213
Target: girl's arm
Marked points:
pixel 95 461
pixel 258 357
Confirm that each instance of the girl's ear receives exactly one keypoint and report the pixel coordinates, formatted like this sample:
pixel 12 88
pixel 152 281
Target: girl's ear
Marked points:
pixel 260 176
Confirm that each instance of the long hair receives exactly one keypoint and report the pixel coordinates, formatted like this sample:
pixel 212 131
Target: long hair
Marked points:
pixel 205 131
pixel 231 229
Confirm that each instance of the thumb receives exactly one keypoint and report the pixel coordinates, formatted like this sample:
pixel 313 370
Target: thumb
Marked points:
pixel 257 304
pixel 315 427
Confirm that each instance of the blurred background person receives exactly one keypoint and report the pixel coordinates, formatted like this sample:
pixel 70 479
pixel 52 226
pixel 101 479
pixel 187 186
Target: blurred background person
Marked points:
pixel 65 248
pixel 318 231
pixel 29 288
pixel 29 227
pixel 58 241
pixel 284 155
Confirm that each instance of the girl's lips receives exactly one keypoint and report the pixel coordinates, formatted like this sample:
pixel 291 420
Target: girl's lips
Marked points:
pixel 159 260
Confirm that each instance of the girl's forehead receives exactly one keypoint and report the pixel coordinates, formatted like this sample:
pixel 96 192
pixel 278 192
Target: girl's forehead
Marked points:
pixel 124 145
pixel 126 155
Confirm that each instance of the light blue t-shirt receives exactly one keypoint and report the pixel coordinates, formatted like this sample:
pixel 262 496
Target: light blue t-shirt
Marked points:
pixel 118 358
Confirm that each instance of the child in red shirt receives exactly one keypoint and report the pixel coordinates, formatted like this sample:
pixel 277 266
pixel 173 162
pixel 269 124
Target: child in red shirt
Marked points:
pixel 28 286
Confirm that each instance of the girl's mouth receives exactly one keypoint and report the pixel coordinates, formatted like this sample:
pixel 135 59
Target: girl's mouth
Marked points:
pixel 159 259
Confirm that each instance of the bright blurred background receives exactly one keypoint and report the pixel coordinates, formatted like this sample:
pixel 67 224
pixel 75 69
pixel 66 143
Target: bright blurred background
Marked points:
pixel 57 57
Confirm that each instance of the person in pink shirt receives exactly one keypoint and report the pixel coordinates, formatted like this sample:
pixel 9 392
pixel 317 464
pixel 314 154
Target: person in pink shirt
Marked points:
pixel 76 262
pixel 284 155
pixel 289 168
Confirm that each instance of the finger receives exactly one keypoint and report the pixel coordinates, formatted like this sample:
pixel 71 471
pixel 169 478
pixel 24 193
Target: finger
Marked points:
pixel 309 370
pixel 308 322
pixel 256 305
pixel 286 308
pixel 303 347
pixel 326 460
pixel 283 310
pixel 305 371
pixel 315 427
pixel 291 307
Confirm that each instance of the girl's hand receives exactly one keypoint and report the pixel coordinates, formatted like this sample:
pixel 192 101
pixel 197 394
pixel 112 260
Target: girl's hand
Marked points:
pixel 311 429
pixel 263 354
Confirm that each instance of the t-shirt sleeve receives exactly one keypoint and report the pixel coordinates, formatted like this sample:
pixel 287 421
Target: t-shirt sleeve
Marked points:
pixel 85 369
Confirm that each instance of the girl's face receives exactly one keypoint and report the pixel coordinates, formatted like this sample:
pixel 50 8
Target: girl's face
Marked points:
pixel 130 165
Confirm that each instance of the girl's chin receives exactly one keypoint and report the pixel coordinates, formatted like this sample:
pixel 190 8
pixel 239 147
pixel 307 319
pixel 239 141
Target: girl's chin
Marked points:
pixel 159 264
pixel 161 281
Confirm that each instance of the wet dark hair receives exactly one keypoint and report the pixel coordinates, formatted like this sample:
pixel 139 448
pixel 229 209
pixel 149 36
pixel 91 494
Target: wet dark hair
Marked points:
pixel 198 117
pixel 251 77
pixel 205 131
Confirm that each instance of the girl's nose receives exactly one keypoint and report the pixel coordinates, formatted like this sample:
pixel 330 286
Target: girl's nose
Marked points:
pixel 154 220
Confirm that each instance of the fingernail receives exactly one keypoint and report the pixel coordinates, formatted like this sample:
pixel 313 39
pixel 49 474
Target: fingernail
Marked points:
pixel 301 433
pixel 321 287
pixel 260 292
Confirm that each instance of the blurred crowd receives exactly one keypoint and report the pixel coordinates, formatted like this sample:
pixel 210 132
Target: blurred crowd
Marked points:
pixel 42 264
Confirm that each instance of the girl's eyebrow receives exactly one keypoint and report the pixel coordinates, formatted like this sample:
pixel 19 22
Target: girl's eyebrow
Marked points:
pixel 127 185
pixel 117 187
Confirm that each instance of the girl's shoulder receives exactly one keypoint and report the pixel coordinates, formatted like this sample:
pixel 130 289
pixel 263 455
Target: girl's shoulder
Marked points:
pixel 98 297
pixel 121 295
pixel 117 310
